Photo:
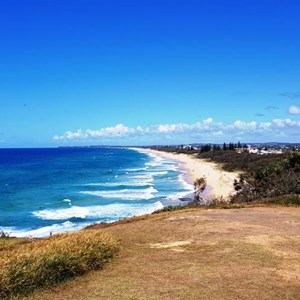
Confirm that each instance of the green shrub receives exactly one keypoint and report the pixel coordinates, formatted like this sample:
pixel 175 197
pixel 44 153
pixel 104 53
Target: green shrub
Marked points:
pixel 288 200
pixel 278 177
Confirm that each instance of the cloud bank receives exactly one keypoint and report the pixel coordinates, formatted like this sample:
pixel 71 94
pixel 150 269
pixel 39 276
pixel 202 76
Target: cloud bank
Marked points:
pixel 206 130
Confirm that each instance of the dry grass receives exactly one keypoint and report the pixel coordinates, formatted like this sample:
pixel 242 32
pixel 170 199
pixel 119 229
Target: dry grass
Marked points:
pixel 195 254
pixel 26 265
pixel 11 243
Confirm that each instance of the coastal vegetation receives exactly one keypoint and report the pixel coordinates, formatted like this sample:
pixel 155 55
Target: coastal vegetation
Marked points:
pixel 199 187
pixel 273 178
pixel 263 176
pixel 29 264
pixel 278 177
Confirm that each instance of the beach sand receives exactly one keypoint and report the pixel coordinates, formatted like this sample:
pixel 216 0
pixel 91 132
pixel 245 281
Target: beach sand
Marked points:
pixel 219 182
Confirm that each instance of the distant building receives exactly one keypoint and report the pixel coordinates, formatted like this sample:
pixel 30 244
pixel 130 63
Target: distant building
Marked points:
pixel 252 149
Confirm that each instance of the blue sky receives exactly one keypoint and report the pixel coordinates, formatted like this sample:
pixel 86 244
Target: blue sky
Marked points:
pixel 80 72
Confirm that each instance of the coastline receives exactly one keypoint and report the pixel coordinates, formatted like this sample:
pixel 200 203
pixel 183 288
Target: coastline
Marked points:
pixel 62 218
pixel 219 182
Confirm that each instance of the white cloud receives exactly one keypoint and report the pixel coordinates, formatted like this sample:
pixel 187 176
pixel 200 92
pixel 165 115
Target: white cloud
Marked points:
pixel 166 128
pixel 244 125
pixel 284 122
pixel 203 131
pixel 294 110
pixel 118 130
pixel 207 121
pixel 69 135
pixel 265 125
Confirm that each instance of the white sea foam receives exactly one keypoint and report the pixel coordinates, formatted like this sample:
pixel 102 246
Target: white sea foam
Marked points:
pixel 179 195
pixel 47 230
pixel 62 214
pixel 68 201
pixel 147 176
pixel 110 211
pixel 171 168
pixel 154 163
pixel 156 160
pixel 159 162
pixel 136 169
pixel 146 182
pixel 129 194
pixel 187 186
pixel 159 173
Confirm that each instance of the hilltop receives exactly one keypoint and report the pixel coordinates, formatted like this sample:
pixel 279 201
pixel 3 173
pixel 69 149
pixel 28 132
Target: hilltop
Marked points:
pixel 197 254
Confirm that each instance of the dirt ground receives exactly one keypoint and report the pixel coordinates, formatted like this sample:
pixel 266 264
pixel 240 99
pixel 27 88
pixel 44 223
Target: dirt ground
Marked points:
pixel 249 253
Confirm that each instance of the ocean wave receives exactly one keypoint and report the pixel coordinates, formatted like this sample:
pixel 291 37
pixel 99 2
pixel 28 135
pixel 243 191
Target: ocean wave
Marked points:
pixel 157 159
pixel 178 196
pixel 46 231
pixel 129 194
pixel 144 183
pixel 146 176
pixel 155 162
pixel 184 183
pixel 69 201
pixel 62 214
pixel 159 172
pixel 136 169
pixel 110 211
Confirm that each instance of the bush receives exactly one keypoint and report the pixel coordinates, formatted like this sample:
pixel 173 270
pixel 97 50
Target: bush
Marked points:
pixel 277 178
pixel 288 200
pixel 199 187
pixel 48 262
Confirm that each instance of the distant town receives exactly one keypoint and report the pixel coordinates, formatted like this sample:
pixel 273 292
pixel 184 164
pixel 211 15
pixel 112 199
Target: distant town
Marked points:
pixel 254 148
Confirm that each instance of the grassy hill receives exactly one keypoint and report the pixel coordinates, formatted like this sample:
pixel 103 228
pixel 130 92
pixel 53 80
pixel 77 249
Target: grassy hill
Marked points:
pixel 196 253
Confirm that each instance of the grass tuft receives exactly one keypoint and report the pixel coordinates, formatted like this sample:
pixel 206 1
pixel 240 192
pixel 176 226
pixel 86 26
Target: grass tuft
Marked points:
pixel 285 200
pixel 44 263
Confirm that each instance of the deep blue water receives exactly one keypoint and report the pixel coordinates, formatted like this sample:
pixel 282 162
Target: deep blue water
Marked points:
pixel 64 189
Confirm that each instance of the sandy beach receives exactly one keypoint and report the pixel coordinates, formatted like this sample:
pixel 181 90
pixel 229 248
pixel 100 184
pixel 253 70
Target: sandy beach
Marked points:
pixel 219 182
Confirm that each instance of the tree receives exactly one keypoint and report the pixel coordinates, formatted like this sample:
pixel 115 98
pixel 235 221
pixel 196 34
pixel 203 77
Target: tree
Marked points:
pixel 199 187
pixel 231 146
pixel 205 148
pixel 216 147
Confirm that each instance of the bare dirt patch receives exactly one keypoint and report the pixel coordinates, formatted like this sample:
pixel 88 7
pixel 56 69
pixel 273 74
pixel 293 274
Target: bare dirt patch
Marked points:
pixel 174 246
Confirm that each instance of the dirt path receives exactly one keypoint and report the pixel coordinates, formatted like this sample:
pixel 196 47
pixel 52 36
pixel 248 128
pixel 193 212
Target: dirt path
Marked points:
pixel 251 253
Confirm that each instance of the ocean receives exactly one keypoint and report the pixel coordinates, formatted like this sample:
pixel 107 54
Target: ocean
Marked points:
pixel 53 190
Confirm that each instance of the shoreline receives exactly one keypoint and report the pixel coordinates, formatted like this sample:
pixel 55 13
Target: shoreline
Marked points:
pixel 219 182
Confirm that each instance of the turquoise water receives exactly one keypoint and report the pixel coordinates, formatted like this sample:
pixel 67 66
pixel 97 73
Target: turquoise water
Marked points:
pixel 45 191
